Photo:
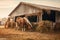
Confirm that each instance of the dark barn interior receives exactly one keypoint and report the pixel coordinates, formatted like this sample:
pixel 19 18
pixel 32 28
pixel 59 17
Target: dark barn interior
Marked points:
pixel 19 16
pixel 32 18
pixel 47 16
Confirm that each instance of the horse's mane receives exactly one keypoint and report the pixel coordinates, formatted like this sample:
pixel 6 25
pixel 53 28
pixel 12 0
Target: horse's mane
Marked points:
pixel 27 21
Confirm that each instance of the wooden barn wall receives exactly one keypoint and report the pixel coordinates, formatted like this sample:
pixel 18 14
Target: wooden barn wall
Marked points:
pixel 58 17
pixel 24 9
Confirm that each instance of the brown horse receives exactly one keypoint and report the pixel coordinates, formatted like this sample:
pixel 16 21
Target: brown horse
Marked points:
pixel 10 23
pixel 19 23
pixel 22 23
pixel 13 24
pixel 7 23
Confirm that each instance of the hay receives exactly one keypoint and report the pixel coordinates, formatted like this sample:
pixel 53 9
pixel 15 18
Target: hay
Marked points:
pixel 44 26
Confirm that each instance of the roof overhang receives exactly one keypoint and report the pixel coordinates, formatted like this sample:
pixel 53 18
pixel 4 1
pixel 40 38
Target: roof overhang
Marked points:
pixel 36 6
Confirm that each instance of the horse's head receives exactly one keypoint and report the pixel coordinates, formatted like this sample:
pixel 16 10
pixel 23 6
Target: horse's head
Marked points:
pixel 18 19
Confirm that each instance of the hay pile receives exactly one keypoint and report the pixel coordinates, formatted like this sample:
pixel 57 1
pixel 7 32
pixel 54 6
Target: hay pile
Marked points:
pixel 44 26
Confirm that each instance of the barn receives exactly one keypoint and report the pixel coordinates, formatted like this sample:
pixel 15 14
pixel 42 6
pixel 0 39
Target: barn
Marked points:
pixel 36 13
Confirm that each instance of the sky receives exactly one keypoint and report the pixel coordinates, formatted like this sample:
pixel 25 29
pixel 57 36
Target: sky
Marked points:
pixel 6 6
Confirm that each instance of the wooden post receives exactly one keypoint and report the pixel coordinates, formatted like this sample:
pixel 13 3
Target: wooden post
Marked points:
pixel 40 15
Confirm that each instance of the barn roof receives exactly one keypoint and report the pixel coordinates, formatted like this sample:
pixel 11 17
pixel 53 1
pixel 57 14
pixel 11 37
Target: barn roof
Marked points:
pixel 36 6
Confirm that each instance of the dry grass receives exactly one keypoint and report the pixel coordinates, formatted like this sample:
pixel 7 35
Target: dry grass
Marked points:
pixel 11 34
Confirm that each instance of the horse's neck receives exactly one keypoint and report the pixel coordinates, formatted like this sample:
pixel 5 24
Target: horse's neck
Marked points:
pixel 21 20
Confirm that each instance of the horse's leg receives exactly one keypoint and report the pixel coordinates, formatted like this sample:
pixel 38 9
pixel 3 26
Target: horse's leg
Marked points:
pixel 24 28
pixel 5 25
pixel 16 26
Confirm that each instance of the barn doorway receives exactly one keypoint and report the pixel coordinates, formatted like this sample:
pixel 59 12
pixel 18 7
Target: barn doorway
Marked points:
pixel 32 18
pixel 19 16
pixel 50 17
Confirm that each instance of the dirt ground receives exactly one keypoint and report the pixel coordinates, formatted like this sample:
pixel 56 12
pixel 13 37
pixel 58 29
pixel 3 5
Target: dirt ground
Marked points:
pixel 12 34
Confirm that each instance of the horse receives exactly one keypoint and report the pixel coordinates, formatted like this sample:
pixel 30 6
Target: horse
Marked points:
pixel 19 23
pixel 13 24
pixel 23 23
pixel 28 24
pixel 7 23
pixel 10 23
